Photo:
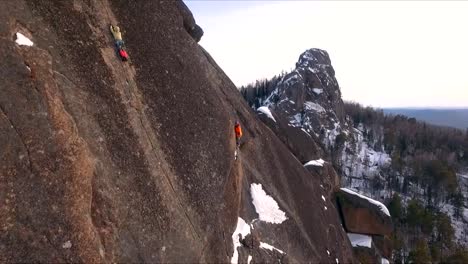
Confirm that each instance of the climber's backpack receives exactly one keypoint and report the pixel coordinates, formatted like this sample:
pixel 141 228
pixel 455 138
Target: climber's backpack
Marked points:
pixel 123 55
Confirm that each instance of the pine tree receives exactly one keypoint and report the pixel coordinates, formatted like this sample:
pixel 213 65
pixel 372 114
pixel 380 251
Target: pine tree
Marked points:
pixel 395 207
pixel 420 254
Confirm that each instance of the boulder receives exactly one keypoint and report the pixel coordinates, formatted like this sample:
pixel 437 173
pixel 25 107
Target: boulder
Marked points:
pixel 363 215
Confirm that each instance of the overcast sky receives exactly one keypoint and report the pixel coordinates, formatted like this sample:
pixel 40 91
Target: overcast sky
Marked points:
pixel 385 53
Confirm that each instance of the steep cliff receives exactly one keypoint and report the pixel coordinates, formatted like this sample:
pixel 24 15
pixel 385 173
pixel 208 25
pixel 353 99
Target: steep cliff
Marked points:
pixel 104 161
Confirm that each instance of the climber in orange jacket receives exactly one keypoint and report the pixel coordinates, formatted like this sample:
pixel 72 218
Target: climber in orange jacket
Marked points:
pixel 238 132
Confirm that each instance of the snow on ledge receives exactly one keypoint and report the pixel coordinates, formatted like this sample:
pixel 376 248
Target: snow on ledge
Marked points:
pixel 67 245
pixel 318 163
pixel 22 40
pixel 266 111
pixel 382 207
pixel 358 240
pixel 318 91
pixel 266 207
pixel 270 247
pixel 315 107
pixel 242 229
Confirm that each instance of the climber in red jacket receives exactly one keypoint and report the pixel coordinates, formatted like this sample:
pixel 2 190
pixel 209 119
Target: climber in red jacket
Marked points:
pixel 238 132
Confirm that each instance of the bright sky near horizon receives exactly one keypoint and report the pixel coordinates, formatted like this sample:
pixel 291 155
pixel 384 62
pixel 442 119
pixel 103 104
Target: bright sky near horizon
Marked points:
pixel 385 53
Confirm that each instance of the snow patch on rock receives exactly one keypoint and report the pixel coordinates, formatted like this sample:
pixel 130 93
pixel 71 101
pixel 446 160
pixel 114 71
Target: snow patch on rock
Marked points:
pixel 313 106
pixel 290 79
pixel 267 208
pixel 317 91
pixel 318 163
pixel 270 247
pixel 295 120
pixel 22 40
pixel 303 130
pixel 266 111
pixel 359 240
pixel 331 134
pixel 242 230
pixel 67 245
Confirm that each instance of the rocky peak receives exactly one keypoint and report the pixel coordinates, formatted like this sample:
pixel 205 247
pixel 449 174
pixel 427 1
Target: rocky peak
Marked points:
pixel 309 98
pixel 313 57
pixel 374 155
pixel 307 113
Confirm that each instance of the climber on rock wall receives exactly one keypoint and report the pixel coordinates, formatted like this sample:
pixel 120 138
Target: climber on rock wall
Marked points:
pixel 117 34
pixel 238 132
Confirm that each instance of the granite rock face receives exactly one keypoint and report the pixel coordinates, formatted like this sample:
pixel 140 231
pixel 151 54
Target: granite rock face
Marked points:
pixel 104 161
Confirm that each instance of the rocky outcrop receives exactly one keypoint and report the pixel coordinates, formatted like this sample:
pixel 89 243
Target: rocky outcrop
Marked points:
pixel 189 22
pixel 309 114
pixel 368 224
pixel 363 215
pixel 305 110
pixel 309 98
pixel 104 161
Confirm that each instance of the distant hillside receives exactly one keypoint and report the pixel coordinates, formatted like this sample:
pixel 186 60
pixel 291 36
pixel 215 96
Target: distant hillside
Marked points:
pixel 444 117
